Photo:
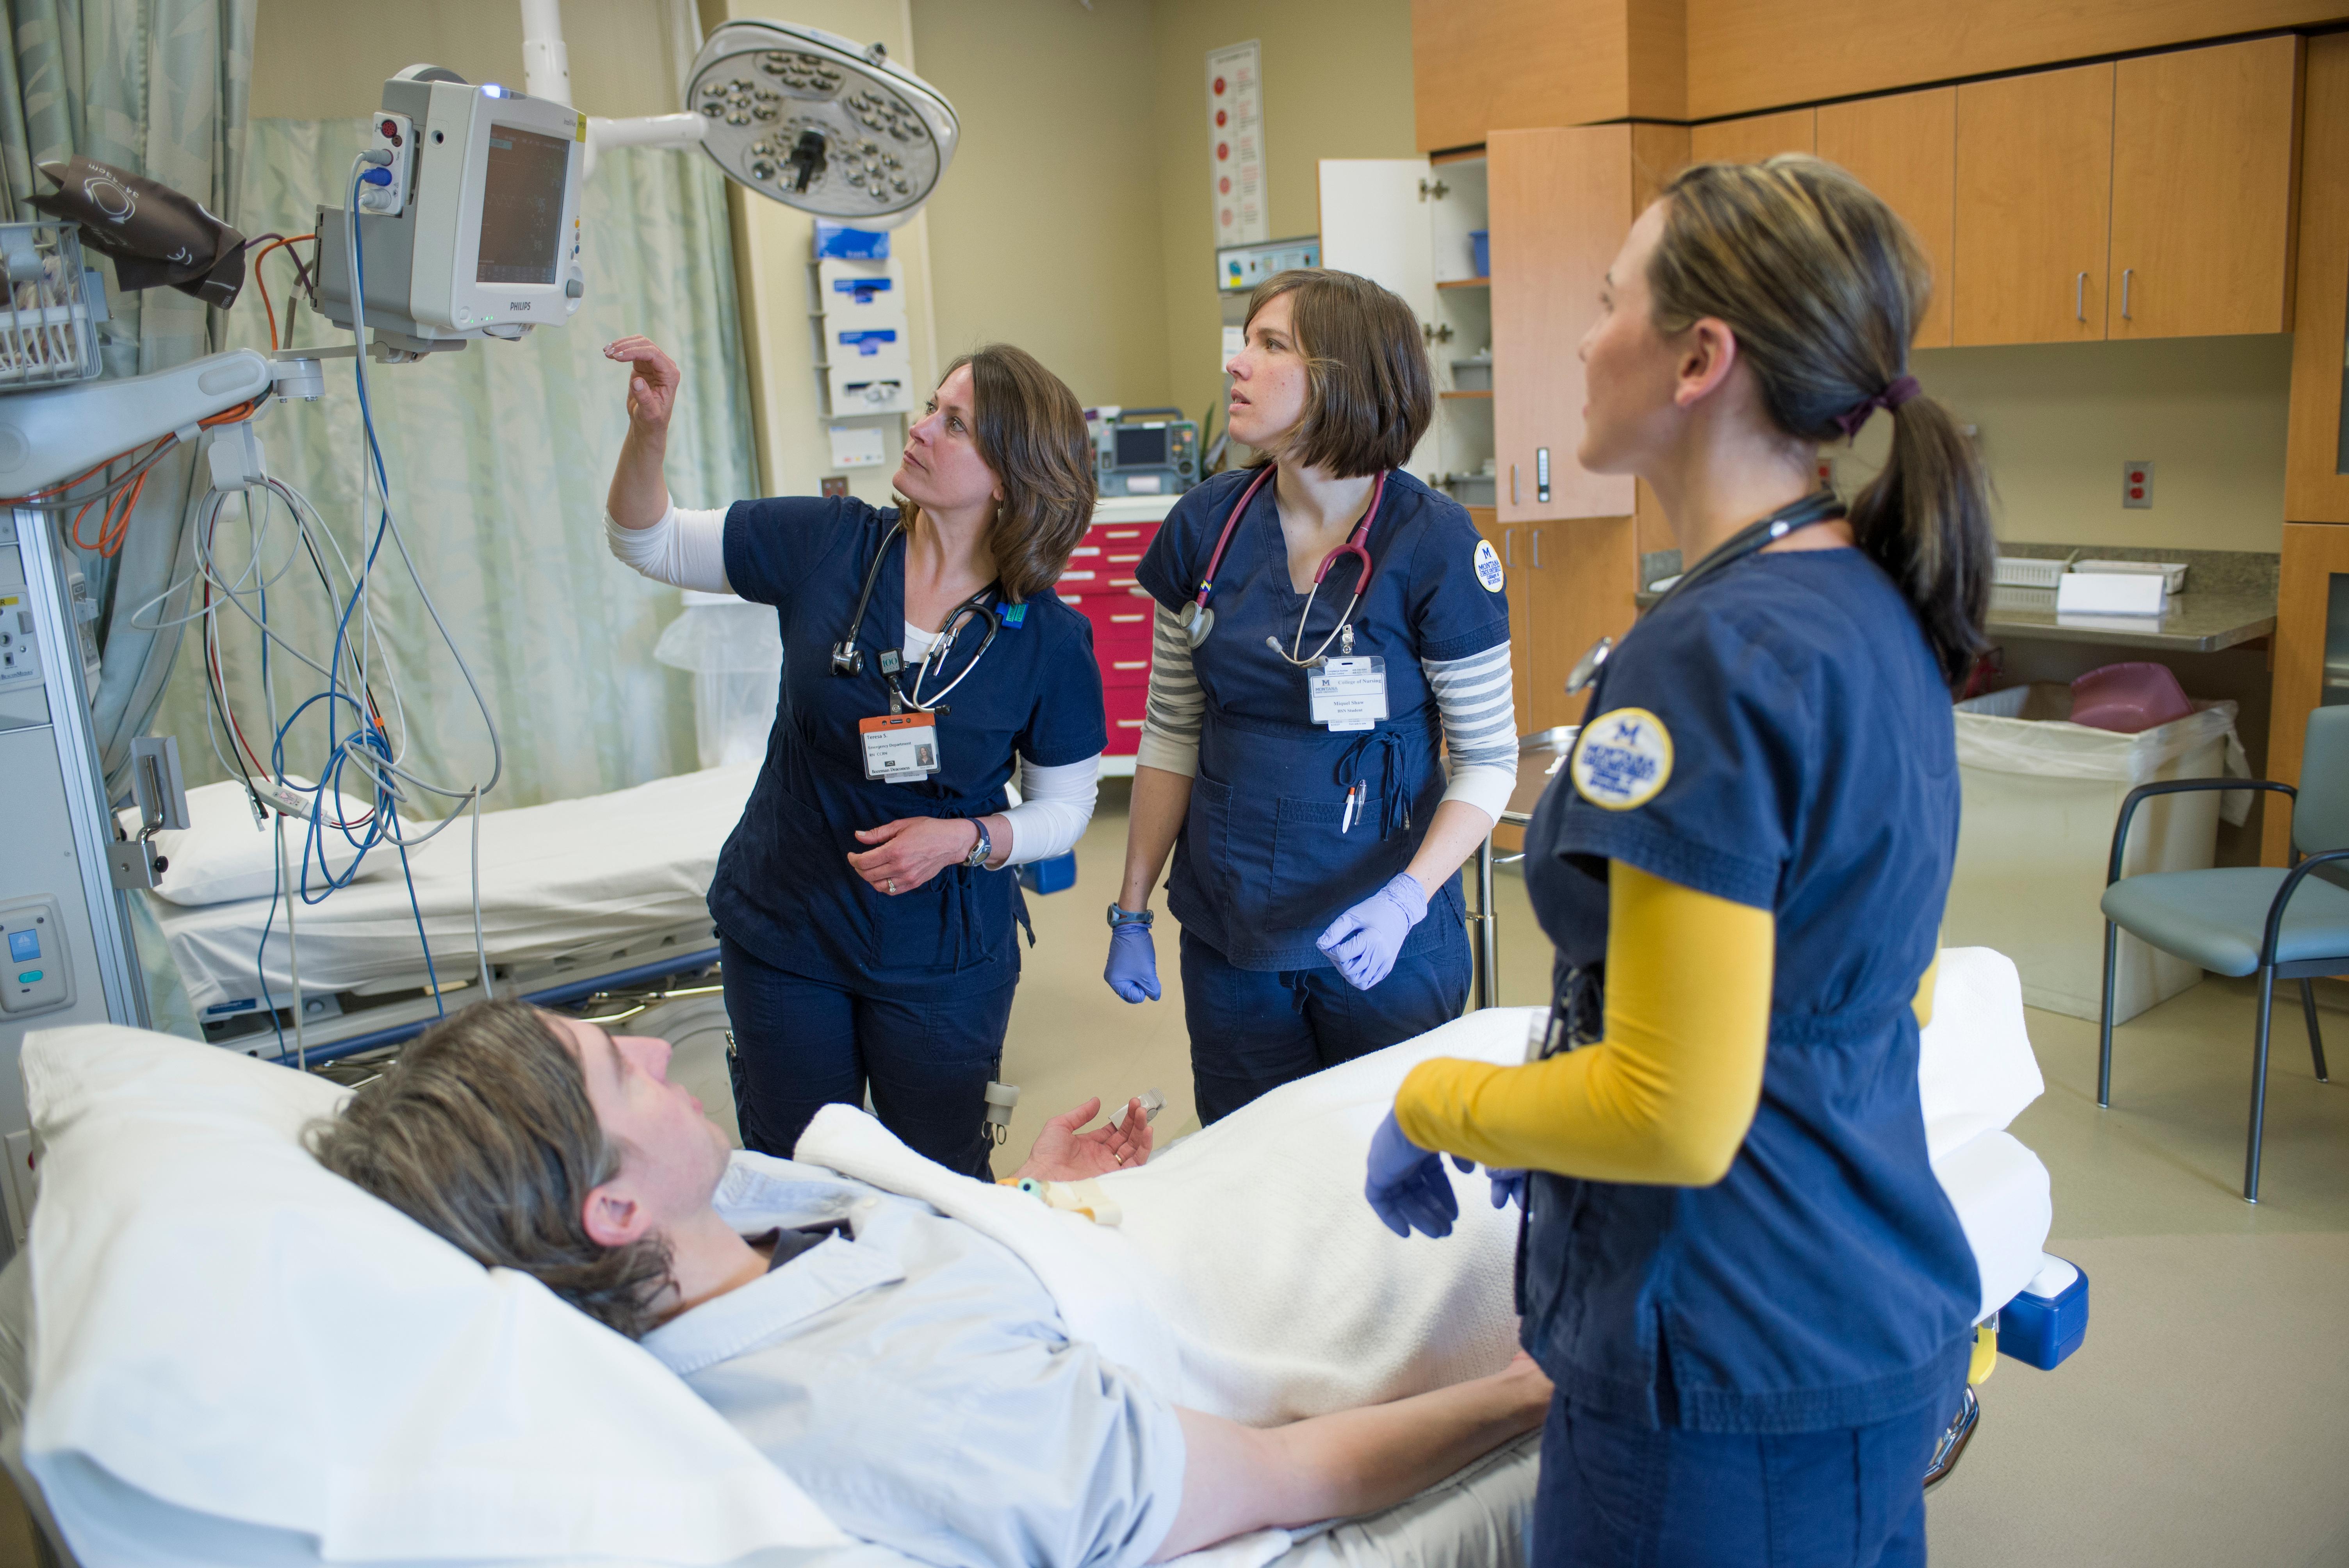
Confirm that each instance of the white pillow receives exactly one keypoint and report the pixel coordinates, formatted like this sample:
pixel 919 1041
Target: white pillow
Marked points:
pixel 223 855
pixel 224 1325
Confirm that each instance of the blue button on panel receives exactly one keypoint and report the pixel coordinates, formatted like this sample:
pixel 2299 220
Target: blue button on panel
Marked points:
pixel 29 977
pixel 24 945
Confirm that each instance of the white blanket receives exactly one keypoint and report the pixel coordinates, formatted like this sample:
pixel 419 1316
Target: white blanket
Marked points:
pixel 567 878
pixel 1333 1310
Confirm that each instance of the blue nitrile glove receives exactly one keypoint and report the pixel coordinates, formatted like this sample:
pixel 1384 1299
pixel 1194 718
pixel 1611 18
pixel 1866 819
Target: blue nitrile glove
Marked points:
pixel 1509 1187
pixel 1133 969
pixel 1407 1185
pixel 1362 942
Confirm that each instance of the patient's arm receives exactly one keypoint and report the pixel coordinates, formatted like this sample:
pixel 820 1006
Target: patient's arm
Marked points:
pixel 1237 1479
pixel 1062 1153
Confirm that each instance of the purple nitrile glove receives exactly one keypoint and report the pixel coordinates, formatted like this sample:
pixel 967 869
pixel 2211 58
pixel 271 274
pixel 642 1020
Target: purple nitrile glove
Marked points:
pixel 1132 968
pixel 1406 1185
pixel 1362 942
pixel 1509 1187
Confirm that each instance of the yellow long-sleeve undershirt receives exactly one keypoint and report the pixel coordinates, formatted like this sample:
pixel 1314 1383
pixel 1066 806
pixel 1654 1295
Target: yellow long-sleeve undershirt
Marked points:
pixel 1666 1095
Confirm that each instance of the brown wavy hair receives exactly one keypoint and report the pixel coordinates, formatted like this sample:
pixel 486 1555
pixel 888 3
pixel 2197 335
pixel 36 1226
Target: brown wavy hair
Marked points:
pixel 481 1132
pixel 1822 284
pixel 1031 431
pixel 1368 393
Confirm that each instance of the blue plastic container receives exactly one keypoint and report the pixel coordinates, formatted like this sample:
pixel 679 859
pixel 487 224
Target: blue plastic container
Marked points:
pixel 1056 875
pixel 1480 246
pixel 2047 1320
pixel 851 244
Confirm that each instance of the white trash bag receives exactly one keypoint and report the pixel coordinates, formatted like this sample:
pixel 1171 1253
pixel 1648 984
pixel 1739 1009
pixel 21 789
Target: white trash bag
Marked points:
pixel 734 651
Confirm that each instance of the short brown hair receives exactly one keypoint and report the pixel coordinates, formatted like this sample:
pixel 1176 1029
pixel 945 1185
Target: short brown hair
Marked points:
pixel 482 1133
pixel 1822 284
pixel 1368 393
pixel 1032 431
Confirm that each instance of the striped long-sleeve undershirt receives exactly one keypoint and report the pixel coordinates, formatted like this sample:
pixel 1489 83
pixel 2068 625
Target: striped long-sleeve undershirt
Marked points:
pixel 1473 697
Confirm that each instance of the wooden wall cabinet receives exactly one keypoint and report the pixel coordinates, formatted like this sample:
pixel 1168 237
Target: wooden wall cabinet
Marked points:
pixel 1905 148
pixel 1482 66
pixel 2311 656
pixel 2316 467
pixel 2204 177
pixel 1568 583
pixel 1561 205
pixel 1754 138
pixel 2034 173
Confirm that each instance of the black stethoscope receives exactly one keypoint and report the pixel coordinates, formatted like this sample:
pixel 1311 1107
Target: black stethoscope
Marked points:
pixel 1819 506
pixel 848 659
pixel 1198 619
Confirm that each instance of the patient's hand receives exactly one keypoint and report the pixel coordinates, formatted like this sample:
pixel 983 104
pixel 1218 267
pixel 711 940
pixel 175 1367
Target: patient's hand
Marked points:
pixel 1064 1154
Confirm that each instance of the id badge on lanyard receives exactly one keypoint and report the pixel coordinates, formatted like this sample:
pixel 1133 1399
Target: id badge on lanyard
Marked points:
pixel 900 748
pixel 1348 693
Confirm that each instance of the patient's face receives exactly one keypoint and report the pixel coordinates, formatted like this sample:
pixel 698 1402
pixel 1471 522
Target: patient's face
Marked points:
pixel 672 1155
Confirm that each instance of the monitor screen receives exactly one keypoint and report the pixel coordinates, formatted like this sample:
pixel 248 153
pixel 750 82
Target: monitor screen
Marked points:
pixel 1141 446
pixel 521 206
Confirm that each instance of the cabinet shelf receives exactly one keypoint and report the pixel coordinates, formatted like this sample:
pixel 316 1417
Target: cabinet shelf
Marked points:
pixel 1466 283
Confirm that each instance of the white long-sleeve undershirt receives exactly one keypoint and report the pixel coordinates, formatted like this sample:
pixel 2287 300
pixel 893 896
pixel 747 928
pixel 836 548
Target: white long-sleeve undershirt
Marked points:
pixel 687 549
pixel 1474 698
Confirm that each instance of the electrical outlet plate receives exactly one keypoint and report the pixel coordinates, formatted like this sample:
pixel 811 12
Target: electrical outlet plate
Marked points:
pixel 2136 485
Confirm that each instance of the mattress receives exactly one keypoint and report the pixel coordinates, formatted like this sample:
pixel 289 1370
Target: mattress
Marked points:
pixel 558 880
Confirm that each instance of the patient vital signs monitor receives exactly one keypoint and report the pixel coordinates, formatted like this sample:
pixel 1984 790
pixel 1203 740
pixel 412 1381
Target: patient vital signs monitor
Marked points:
pixel 469 226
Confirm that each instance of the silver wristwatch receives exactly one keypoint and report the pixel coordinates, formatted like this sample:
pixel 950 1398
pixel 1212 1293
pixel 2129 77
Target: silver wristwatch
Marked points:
pixel 981 852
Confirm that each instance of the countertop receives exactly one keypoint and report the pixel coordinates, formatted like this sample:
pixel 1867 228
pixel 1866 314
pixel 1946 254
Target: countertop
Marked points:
pixel 2194 624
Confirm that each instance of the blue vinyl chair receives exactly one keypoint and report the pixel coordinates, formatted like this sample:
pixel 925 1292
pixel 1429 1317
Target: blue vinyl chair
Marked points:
pixel 2280 925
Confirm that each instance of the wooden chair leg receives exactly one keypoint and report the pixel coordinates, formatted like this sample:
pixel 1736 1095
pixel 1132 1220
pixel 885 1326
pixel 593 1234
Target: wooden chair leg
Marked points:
pixel 2105 1034
pixel 2315 1034
pixel 2258 1086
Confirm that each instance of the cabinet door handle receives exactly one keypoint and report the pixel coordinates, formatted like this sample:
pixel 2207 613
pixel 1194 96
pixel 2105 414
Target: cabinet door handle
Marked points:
pixel 2080 297
pixel 2126 273
pixel 1541 474
pixel 1536 548
pixel 1513 484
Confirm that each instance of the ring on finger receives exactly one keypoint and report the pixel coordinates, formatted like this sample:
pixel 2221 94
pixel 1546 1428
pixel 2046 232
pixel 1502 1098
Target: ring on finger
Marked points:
pixel 893 886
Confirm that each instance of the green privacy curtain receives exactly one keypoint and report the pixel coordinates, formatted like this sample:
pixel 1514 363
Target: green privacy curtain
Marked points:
pixel 498 457
pixel 157 88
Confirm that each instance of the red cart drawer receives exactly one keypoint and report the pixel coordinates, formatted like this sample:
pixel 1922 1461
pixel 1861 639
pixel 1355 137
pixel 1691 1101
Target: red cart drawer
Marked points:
pixel 1125 667
pixel 1124 706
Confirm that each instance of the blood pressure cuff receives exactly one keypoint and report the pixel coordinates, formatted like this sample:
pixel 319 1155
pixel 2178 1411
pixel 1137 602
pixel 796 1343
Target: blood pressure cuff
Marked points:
pixel 155 235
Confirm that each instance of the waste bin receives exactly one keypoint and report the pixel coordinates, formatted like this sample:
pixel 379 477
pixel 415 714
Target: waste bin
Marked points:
pixel 2042 795
pixel 734 651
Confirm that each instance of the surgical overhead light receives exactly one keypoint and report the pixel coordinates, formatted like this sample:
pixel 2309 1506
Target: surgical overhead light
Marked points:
pixel 802 116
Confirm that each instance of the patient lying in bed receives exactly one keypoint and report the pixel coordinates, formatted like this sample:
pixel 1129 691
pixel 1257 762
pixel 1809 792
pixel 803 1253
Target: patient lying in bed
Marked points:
pixel 913 1375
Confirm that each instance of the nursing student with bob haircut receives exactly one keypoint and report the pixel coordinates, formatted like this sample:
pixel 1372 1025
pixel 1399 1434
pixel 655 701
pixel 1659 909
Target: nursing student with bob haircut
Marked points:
pixel 1330 727
pixel 1752 1294
pixel 866 905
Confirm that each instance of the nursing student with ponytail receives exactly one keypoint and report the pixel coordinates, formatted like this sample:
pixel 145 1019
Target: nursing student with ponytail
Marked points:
pixel 1737 1268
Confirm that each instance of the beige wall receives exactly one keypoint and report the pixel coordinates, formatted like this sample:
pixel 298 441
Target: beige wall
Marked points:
pixel 1337 84
pixel 1045 231
pixel 2058 420
pixel 324 59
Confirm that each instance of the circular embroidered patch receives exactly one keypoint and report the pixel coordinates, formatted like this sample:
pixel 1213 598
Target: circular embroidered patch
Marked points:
pixel 1488 566
pixel 1622 759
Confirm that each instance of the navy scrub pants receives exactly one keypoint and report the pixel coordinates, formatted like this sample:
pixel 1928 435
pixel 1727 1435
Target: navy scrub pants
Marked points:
pixel 801 1043
pixel 1253 1030
pixel 1618 1496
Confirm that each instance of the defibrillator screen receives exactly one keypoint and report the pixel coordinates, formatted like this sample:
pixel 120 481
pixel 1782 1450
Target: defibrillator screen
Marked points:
pixel 1142 448
pixel 521 206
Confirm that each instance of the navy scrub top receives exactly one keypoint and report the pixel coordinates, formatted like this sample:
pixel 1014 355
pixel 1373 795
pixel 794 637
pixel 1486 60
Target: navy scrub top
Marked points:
pixel 1266 861
pixel 784 888
pixel 1778 735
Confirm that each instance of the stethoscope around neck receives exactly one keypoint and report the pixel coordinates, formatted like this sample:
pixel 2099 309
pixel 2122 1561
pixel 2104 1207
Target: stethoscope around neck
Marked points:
pixel 848 659
pixel 1199 617
pixel 1819 506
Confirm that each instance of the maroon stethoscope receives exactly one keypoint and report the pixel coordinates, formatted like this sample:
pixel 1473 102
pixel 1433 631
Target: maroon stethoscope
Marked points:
pixel 1198 620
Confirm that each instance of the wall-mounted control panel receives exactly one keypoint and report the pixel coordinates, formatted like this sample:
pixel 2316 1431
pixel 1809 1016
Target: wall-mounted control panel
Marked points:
pixel 38 978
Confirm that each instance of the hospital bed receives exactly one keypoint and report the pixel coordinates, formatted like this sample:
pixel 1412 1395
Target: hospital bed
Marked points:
pixel 320 1335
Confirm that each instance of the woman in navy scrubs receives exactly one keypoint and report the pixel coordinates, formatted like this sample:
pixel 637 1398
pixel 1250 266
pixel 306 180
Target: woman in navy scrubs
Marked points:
pixel 1752 1297
pixel 1325 623
pixel 865 908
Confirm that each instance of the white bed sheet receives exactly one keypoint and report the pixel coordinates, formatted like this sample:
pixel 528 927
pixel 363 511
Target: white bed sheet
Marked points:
pixel 557 879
